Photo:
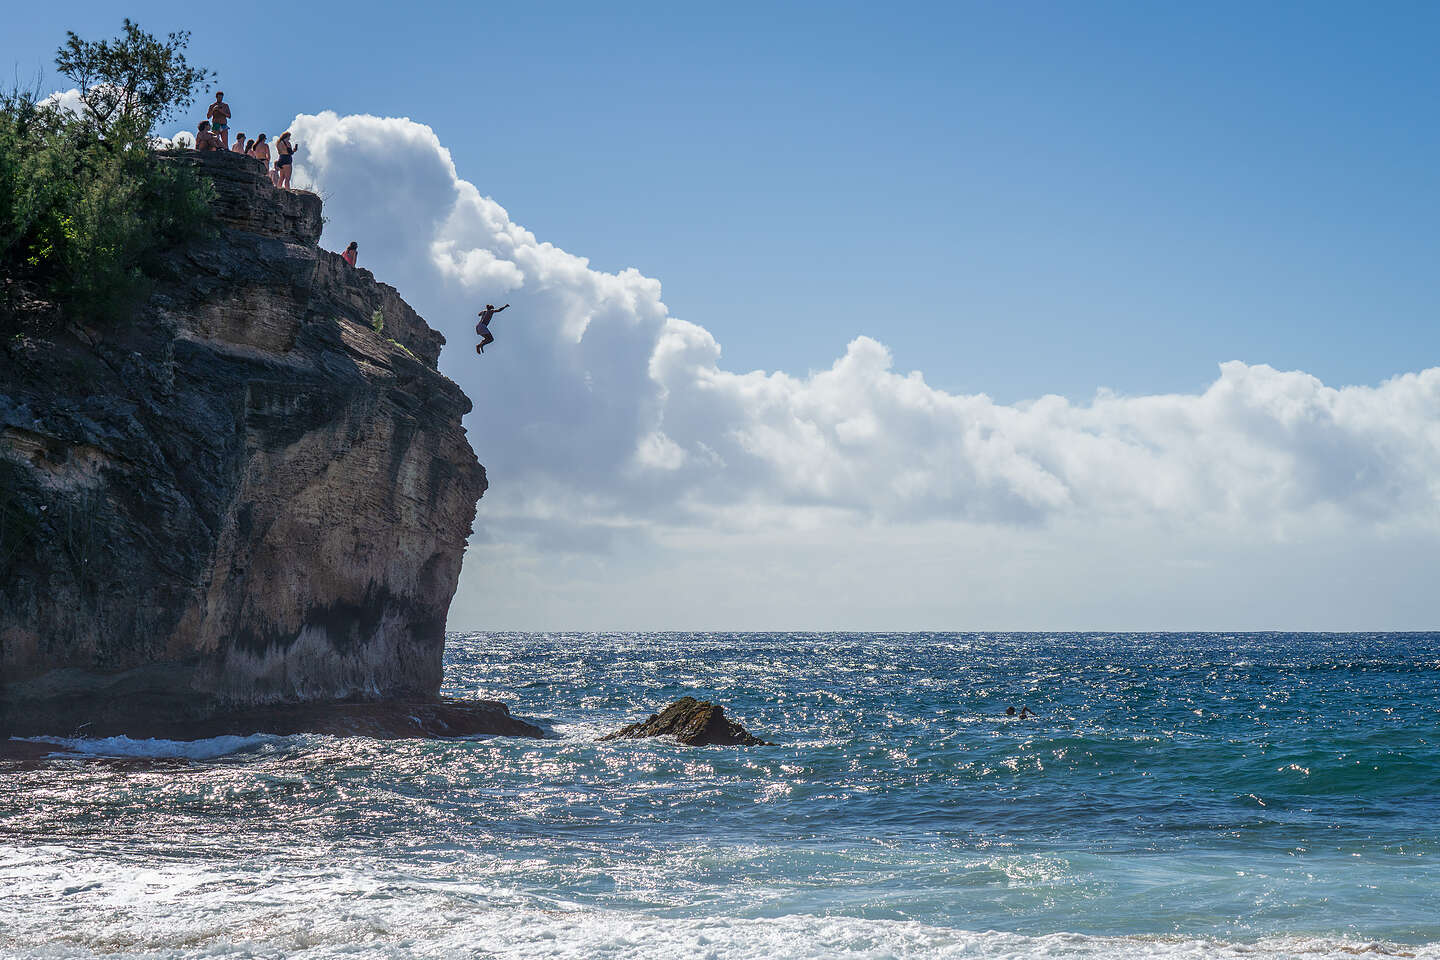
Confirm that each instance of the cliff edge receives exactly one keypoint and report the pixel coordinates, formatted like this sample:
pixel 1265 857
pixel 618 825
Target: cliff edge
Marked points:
pixel 256 491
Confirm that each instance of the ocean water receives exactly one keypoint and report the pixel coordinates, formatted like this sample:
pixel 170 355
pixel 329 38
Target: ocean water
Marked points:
pixel 1248 796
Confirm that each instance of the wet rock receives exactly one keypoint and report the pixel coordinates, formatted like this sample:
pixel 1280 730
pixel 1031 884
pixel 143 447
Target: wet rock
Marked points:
pixel 390 720
pixel 692 722
pixel 426 719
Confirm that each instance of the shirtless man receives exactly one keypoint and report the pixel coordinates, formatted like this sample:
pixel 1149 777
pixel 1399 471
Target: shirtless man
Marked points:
pixel 483 327
pixel 205 140
pixel 219 116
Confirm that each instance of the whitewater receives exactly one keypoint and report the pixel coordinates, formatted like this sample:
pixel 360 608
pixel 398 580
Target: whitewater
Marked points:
pixel 1179 795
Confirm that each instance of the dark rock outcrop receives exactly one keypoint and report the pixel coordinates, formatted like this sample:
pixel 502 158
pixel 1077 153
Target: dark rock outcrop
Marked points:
pixel 694 722
pixel 390 720
pixel 244 495
pixel 383 720
pixel 394 719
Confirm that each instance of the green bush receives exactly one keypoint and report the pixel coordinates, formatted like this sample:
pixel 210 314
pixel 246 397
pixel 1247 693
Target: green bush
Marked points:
pixel 85 210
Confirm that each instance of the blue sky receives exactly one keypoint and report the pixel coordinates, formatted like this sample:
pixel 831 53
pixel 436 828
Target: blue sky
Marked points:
pixel 1018 198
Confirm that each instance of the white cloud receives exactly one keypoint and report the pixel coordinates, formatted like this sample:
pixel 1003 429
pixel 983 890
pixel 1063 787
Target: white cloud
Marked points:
pixel 67 100
pixel 597 411
pixel 70 102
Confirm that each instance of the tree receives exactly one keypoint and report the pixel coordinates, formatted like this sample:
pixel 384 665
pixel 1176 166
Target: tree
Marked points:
pixel 86 213
pixel 134 82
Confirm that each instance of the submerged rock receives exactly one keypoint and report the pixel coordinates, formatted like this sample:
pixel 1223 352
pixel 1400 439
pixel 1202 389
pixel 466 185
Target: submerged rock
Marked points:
pixel 255 490
pixel 693 722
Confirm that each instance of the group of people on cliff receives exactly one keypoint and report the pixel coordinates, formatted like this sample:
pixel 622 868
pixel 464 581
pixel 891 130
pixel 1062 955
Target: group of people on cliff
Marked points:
pixel 212 134
pixel 214 130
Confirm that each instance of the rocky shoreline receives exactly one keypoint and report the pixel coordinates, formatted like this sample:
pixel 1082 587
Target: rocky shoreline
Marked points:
pixel 441 717
pixel 686 722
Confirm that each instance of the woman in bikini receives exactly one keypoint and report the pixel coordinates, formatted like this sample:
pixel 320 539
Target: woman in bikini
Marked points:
pixel 284 160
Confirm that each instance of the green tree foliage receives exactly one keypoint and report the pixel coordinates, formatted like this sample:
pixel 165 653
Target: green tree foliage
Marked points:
pixel 133 82
pixel 85 209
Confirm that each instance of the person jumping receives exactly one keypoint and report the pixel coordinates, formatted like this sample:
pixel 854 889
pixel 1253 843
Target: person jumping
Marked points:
pixel 483 327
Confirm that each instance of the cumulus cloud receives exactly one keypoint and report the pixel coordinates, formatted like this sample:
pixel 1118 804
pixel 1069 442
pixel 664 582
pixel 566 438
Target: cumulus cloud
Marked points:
pixel 601 408
pixel 67 100
pixel 636 481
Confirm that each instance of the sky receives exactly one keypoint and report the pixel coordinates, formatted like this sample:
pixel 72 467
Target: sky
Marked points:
pixel 951 316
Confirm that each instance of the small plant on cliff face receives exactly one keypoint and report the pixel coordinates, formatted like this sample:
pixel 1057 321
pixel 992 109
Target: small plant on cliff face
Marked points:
pixel 377 321
pixel 404 348
pixel 85 211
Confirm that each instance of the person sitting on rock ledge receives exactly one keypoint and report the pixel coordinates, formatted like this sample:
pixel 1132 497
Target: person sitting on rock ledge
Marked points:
pixel 205 140
pixel 351 253
pixel 239 144
pixel 483 327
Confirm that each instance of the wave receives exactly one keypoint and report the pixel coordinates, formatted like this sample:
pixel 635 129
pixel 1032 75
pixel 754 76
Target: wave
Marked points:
pixel 807 937
pixel 124 747
pixel 565 931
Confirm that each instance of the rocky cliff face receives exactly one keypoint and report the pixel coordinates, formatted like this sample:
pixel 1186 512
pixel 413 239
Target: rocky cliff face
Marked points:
pixel 246 495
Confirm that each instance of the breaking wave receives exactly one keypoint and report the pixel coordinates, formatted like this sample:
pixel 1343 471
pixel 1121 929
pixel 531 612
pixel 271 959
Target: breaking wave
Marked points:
pixel 153 749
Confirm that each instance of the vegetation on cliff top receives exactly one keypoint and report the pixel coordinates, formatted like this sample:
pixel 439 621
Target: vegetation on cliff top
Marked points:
pixel 84 211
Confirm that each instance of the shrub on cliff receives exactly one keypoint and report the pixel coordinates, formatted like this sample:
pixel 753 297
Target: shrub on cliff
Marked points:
pixel 84 210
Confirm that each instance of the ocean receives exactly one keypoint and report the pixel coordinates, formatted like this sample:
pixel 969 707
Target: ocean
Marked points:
pixel 1185 795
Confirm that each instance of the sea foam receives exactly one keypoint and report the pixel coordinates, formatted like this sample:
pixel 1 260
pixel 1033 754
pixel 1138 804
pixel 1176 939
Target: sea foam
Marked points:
pixel 155 749
pixel 1165 802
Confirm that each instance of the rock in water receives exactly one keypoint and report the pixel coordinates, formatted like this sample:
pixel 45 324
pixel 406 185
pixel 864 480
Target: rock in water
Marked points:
pixel 694 722
pixel 253 491
pixel 387 720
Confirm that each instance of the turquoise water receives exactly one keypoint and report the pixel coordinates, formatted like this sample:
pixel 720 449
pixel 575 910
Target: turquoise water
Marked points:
pixel 1197 796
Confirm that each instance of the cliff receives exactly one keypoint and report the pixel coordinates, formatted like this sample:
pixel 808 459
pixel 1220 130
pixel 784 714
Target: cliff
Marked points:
pixel 244 495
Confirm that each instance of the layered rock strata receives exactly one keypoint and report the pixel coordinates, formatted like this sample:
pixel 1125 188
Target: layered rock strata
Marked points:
pixel 254 491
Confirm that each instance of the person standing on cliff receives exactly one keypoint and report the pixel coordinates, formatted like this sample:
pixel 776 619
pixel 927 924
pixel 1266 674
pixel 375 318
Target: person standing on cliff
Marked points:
pixel 284 160
pixel 483 327
pixel 219 116
pixel 261 152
